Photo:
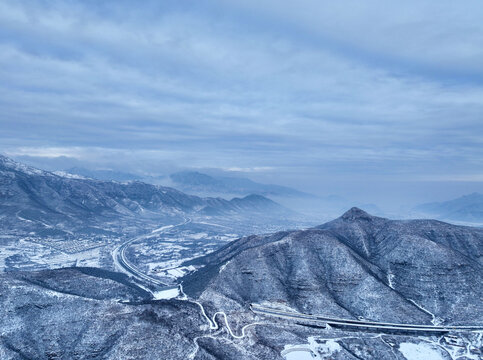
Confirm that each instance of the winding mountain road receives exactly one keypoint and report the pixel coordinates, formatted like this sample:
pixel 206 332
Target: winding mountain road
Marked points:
pixel 121 261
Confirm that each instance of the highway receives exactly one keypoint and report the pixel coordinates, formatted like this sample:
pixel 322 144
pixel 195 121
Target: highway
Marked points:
pixel 121 261
pixel 258 309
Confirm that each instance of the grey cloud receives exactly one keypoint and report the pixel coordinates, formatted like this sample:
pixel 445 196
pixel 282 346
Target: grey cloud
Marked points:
pixel 294 90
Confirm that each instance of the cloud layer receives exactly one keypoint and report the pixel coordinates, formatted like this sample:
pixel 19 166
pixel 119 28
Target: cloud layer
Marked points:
pixel 302 90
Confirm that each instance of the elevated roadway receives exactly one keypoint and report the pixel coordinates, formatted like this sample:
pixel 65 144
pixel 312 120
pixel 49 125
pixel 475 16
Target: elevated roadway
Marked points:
pixel 362 324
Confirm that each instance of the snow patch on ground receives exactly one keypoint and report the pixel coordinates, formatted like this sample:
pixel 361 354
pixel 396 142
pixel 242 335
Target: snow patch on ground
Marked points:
pixel 198 236
pixel 297 352
pixel 277 305
pixel 435 320
pixel 69 175
pixel 299 355
pixel 313 350
pixel 390 278
pixel 36 256
pixel 166 294
pixel 420 351
pixel 224 266
pixel 328 347
pixel 172 272
pixel 181 271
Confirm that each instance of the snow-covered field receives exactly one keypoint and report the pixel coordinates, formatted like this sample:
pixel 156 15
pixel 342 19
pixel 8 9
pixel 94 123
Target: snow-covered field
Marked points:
pixel 420 351
pixel 166 294
pixel 405 347
pixel 322 349
pixel 299 355
pixel 30 255
pixel 162 254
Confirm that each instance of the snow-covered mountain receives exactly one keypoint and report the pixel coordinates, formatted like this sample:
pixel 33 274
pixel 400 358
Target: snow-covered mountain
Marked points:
pixel 418 271
pixel 34 200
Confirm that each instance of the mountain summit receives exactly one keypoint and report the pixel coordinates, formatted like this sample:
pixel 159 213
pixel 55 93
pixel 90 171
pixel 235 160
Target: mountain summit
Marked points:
pixel 418 271
pixel 356 214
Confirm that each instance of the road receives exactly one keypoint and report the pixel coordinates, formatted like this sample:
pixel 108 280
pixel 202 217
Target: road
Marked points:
pixel 121 261
pixel 360 323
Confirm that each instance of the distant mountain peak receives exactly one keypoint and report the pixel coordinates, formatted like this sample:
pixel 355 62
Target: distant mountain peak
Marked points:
pixel 356 214
pixel 357 265
pixel 194 181
pixel 256 197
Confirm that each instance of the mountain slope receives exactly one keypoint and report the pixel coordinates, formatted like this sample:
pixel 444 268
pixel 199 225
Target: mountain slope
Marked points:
pixel 75 314
pixel 249 205
pixel 465 208
pixel 35 200
pixel 357 265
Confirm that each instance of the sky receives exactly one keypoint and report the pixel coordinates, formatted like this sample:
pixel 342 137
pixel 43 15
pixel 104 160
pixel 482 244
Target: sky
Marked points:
pixel 375 100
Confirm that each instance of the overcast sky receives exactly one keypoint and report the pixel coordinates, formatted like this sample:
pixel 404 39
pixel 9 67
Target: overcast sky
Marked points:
pixel 365 98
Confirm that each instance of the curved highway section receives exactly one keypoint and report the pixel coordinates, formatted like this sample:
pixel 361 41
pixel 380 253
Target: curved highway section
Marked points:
pixel 121 261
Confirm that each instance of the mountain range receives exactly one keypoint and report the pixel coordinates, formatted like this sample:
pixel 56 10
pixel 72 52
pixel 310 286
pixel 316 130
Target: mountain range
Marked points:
pixel 359 265
pixel 468 208
pixel 196 182
pixel 40 201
